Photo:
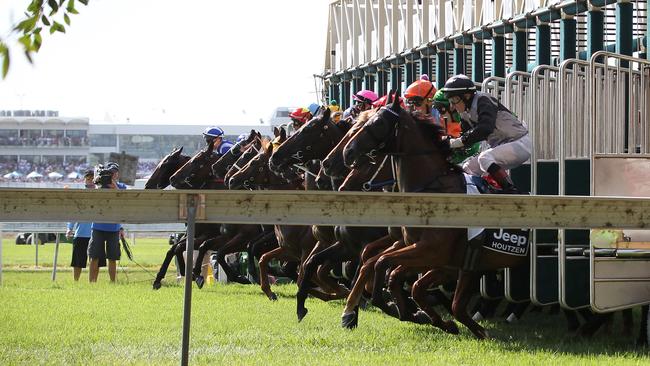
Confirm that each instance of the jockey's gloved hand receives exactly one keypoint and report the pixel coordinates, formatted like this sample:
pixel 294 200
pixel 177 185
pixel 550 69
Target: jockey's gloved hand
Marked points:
pixel 455 143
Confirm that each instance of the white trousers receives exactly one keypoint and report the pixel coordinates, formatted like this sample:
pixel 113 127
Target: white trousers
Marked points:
pixel 509 155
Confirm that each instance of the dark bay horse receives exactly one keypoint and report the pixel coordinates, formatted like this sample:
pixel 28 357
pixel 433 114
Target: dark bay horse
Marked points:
pixel 422 166
pixel 159 179
pixel 223 165
pixel 231 238
pixel 295 241
pixel 194 174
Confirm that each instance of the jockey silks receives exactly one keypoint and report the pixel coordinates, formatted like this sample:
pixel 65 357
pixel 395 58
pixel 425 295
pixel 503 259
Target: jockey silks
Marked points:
pixel 489 120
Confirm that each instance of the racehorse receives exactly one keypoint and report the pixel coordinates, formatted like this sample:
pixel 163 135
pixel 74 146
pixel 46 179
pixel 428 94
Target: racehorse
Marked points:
pixel 422 166
pixel 159 179
pixel 349 241
pixel 234 237
pixel 304 149
pixel 295 241
pixel 194 174
pixel 223 165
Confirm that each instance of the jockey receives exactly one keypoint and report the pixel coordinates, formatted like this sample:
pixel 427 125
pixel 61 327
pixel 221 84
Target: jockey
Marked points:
pixel 483 118
pixel 450 121
pixel 419 98
pixel 299 117
pixel 363 100
pixel 214 135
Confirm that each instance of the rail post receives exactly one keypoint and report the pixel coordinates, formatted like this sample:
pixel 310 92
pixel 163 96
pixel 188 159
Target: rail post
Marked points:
pixel 0 257
pixel 187 303
pixel 56 257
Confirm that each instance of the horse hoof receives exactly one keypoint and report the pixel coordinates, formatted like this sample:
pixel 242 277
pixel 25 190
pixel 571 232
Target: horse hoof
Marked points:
pixel 420 317
pixel 350 320
pixel 242 280
pixel 451 327
pixel 302 313
pixel 156 285
pixel 200 281
pixel 273 297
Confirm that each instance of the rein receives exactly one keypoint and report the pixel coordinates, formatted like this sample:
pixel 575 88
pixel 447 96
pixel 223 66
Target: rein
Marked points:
pixel 370 184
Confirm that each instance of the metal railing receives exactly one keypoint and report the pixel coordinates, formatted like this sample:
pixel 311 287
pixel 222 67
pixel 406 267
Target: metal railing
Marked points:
pixel 619 87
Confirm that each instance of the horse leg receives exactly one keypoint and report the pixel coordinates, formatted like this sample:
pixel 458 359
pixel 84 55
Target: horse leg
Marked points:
pixel 350 316
pixel 419 294
pixel 644 332
pixel 256 248
pixel 628 322
pixel 163 268
pixel 308 268
pixel 318 247
pixel 264 268
pixel 461 298
pixel 209 244
pixel 232 246
pixel 396 282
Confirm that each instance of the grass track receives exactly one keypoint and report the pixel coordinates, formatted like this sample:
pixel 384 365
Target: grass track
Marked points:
pixel 128 323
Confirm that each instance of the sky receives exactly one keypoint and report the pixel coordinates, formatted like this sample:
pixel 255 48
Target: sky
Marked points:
pixel 181 62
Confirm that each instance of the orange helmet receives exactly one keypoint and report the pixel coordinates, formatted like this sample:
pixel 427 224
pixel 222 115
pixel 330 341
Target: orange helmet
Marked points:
pixel 422 88
pixel 300 114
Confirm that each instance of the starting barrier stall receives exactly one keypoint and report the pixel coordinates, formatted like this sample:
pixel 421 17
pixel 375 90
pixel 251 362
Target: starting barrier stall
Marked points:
pixel 619 260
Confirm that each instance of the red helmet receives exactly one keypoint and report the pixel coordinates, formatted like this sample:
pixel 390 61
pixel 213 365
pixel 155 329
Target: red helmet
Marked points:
pixel 302 115
pixel 382 102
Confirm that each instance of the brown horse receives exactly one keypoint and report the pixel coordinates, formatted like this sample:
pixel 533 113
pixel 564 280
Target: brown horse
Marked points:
pixel 193 174
pixel 232 238
pixel 295 241
pixel 421 154
pixel 223 165
pixel 159 179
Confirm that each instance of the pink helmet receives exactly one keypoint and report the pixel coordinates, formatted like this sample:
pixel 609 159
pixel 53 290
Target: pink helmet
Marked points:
pixel 365 96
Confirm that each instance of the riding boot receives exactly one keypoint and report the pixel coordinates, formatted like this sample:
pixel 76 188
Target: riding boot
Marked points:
pixel 500 176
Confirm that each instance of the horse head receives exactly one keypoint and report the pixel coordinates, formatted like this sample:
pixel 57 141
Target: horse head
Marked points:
pixel 333 164
pixel 375 134
pixel 254 148
pixel 225 163
pixel 312 141
pixel 196 173
pixel 256 174
pixel 159 179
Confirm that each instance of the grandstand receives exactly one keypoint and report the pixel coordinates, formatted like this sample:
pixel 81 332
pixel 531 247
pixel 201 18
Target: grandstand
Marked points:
pixel 43 141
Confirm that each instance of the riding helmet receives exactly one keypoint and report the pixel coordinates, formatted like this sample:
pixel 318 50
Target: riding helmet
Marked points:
pixel 458 85
pixel 365 96
pixel 213 132
pixel 422 88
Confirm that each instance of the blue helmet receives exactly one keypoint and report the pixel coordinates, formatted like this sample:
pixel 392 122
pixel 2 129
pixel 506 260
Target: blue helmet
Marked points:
pixel 241 137
pixel 313 108
pixel 213 132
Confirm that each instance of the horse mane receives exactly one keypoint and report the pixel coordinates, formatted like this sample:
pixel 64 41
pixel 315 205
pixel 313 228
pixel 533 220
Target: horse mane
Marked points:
pixel 439 135
pixel 364 117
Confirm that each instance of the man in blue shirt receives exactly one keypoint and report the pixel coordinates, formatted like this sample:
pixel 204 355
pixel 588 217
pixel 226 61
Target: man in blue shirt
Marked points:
pixel 105 237
pixel 80 234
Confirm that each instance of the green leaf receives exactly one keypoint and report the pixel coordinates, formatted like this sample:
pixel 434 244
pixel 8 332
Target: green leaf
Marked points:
pixel 54 5
pixel 38 40
pixel 45 20
pixel 26 41
pixel 85 2
pixel 26 25
pixel 28 55
pixel 66 18
pixel 70 8
pixel 4 51
pixel 35 6
pixel 58 27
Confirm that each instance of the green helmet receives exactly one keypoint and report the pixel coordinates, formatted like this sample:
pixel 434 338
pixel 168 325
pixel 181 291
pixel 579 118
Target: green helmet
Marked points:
pixel 441 103
pixel 439 100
